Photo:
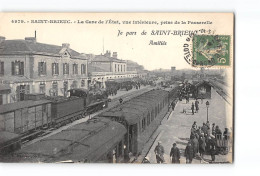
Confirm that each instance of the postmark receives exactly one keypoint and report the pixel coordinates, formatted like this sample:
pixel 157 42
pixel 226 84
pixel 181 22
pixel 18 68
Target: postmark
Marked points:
pixel 211 50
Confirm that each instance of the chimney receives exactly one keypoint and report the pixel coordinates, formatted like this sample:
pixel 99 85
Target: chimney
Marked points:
pixel 30 39
pixel 107 54
pixel 2 39
pixel 65 45
pixel 115 54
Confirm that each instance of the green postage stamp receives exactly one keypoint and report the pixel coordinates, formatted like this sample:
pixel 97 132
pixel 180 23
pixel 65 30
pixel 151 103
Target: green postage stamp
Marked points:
pixel 211 50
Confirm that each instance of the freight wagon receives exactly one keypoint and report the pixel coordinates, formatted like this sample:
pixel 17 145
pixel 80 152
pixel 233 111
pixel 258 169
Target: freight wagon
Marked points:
pixel 21 119
pixel 27 118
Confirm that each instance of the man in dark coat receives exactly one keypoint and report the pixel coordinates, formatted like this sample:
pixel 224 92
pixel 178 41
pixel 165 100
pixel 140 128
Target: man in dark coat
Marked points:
pixel 218 133
pixel 193 132
pixel 159 152
pixel 204 128
pixel 212 151
pixel 175 154
pixel 173 105
pixel 195 145
pixel 189 154
pixel 120 100
pixel 192 108
pixel 226 137
pixel 202 145
pixel 197 105
pixel 213 130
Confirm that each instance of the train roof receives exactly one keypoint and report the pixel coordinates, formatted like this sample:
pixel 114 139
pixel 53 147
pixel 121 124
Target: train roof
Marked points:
pixel 85 141
pixel 135 109
pixel 20 105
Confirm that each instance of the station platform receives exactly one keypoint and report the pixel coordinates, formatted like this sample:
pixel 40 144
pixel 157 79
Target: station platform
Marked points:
pixel 175 128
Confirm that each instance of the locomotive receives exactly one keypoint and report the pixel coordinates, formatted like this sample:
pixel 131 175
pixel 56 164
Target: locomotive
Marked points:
pixel 23 121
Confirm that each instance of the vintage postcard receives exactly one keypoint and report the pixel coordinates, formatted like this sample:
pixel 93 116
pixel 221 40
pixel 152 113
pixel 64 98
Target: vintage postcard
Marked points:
pixel 117 88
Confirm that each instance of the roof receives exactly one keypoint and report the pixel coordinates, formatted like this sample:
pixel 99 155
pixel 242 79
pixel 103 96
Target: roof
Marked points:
pixel 203 82
pixel 138 107
pixel 30 47
pixel 103 58
pixel 85 141
pixel 20 105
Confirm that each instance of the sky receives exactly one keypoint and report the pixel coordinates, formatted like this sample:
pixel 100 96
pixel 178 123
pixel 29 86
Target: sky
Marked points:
pixel 92 38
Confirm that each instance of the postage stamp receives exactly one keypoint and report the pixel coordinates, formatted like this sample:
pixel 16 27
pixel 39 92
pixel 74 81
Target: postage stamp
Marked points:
pixel 211 50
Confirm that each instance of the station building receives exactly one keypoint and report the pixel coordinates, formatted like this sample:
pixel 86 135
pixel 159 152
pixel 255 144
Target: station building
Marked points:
pixel 27 66
pixel 106 67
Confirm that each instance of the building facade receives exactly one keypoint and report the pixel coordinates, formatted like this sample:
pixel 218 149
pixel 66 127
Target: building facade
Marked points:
pixel 31 67
pixel 106 67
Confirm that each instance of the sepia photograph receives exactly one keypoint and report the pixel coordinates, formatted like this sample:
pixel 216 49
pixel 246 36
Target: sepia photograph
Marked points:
pixel 132 88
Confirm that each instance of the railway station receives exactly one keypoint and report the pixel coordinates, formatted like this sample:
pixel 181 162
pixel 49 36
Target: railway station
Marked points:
pixel 103 109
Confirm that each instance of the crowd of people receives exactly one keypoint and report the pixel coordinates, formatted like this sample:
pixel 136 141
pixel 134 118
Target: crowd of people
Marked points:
pixel 207 139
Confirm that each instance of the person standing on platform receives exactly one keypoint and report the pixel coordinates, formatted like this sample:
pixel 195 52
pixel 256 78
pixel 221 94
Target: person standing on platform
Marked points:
pixel 120 100
pixel 197 106
pixel 213 130
pixel 212 148
pixel 202 145
pixel 192 108
pixel 159 152
pixel 189 153
pixel 195 145
pixel 173 105
pixel 175 154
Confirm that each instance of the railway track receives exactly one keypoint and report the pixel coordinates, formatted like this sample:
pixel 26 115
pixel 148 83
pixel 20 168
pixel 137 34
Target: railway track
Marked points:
pixel 221 89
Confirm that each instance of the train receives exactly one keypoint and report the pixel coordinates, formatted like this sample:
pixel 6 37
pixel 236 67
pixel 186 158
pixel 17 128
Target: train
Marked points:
pixel 110 137
pixel 27 119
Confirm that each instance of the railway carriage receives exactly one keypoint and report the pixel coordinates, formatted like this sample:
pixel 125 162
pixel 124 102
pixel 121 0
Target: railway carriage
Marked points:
pixel 97 140
pixel 137 114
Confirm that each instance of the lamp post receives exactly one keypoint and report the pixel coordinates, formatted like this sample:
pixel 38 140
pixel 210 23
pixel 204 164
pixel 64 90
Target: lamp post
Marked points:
pixel 207 104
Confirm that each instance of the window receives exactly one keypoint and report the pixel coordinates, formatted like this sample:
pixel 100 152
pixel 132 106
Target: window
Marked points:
pixel 17 68
pixel 121 68
pixel 42 87
pixel 2 68
pixel 21 91
pixel 65 87
pixel 82 83
pixel 65 68
pixel 54 91
pixel 115 67
pixel 1 99
pixel 75 69
pixel 124 68
pixel 74 84
pixel 118 67
pixel 83 69
pixel 55 68
pixel 42 68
